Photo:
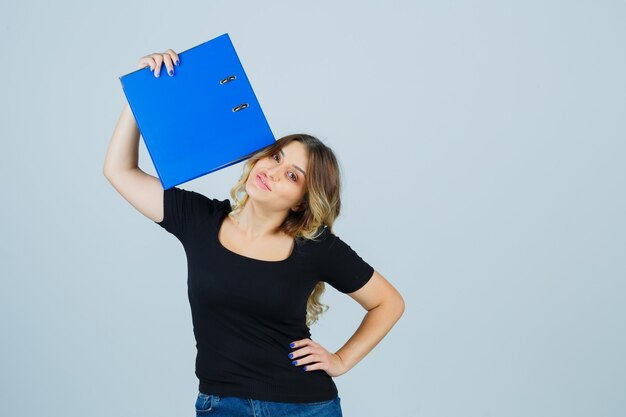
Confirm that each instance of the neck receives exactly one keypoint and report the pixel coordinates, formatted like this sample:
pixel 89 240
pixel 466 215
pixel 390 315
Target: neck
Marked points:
pixel 257 222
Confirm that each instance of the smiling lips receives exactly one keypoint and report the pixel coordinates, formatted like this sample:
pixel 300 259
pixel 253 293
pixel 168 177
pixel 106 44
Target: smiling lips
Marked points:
pixel 261 181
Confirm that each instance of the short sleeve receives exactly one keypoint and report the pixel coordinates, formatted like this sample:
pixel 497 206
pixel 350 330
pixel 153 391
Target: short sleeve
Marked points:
pixel 184 211
pixel 343 268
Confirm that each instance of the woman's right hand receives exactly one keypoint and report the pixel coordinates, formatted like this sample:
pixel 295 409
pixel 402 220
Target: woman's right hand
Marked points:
pixel 154 61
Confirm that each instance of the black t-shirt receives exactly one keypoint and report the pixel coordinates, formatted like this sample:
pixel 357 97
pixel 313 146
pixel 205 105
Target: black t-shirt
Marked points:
pixel 247 311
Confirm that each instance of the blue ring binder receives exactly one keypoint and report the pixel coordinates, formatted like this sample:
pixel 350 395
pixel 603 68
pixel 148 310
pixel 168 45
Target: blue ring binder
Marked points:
pixel 191 124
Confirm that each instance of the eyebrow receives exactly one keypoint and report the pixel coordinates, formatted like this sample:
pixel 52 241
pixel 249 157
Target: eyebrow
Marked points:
pixel 295 166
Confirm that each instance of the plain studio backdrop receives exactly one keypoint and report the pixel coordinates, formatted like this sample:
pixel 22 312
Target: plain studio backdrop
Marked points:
pixel 482 146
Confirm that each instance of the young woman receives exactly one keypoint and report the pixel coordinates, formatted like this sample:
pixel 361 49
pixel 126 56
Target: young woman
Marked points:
pixel 256 271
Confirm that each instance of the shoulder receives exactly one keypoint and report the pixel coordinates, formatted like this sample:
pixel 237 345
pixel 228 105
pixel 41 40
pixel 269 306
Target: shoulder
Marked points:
pixel 321 245
pixel 192 202
pixel 185 211
pixel 335 249
pixel 195 196
pixel 339 264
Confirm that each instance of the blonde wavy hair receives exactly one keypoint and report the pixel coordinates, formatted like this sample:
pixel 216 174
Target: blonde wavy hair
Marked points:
pixel 319 207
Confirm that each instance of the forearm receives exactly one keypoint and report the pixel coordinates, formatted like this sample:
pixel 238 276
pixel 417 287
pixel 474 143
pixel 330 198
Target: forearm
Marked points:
pixel 374 326
pixel 123 152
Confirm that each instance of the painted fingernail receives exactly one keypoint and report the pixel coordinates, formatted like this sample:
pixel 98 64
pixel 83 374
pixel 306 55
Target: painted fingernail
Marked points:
pixel 177 62
pixel 294 362
pixel 292 345
pixel 304 368
pixel 171 72
pixel 290 355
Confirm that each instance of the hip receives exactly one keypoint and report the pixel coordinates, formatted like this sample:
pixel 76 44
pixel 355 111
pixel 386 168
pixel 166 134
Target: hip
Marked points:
pixel 220 406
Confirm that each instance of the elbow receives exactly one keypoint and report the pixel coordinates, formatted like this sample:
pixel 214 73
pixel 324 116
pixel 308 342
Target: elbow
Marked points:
pixel 398 303
pixel 106 171
pixel 401 306
pixel 394 306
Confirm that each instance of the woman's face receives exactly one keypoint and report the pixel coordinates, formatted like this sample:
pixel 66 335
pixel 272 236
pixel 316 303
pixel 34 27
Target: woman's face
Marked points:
pixel 277 181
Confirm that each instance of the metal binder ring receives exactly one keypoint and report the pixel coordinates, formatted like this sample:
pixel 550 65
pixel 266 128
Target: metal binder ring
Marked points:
pixel 240 107
pixel 227 79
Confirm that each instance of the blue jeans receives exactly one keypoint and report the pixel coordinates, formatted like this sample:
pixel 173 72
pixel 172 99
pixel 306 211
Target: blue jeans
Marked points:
pixel 219 406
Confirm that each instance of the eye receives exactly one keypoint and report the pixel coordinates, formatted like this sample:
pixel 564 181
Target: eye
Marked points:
pixel 292 176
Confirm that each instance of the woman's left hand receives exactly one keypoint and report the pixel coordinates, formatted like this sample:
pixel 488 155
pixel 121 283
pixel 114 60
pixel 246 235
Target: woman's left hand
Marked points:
pixel 314 357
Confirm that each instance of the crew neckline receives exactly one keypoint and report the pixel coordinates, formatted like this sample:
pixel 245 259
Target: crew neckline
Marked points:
pixel 221 220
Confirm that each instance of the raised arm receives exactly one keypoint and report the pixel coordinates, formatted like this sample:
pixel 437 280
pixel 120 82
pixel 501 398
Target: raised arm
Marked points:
pixel 141 190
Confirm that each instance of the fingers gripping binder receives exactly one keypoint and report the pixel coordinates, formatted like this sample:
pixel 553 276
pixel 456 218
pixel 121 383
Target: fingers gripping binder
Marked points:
pixel 204 118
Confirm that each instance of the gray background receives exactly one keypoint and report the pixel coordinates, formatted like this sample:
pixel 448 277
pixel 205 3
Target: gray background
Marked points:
pixel 482 146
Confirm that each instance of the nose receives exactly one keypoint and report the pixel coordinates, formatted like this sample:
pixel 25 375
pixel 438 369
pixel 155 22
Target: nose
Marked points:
pixel 272 173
